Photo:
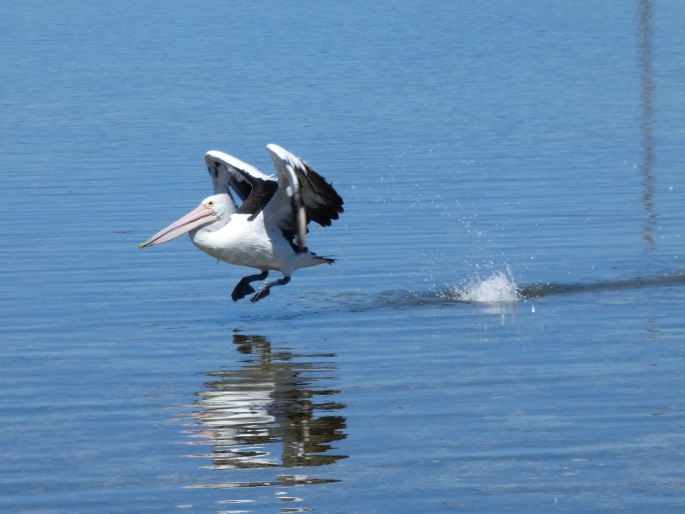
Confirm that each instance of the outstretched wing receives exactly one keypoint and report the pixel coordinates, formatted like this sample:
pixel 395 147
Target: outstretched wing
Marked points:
pixel 302 196
pixel 230 175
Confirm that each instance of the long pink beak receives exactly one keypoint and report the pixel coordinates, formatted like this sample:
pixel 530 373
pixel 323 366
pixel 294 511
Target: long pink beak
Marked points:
pixel 200 216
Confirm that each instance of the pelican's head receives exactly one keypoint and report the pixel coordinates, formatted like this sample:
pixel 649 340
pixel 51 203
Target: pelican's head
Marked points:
pixel 212 209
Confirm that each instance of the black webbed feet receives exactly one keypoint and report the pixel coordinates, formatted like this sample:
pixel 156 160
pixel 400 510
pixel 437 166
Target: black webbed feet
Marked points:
pixel 243 288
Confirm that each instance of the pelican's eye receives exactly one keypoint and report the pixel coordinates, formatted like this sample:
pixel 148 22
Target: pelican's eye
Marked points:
pixel 210 203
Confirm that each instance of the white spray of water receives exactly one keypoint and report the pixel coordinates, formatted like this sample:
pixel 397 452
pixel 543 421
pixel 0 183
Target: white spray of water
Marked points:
pixel 497 288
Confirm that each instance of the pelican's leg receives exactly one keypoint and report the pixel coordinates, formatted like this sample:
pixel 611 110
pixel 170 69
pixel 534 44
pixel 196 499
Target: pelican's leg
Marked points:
pixel 244 288
pixel 266 286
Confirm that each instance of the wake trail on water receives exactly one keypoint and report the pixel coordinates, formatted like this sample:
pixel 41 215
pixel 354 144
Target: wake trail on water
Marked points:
pixel 497 289
pixel 500 287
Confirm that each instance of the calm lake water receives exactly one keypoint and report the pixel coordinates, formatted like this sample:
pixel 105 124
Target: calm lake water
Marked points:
pixel 502 331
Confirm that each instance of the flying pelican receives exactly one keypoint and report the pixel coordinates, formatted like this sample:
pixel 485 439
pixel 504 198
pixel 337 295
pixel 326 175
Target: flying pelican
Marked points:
pixel 268 230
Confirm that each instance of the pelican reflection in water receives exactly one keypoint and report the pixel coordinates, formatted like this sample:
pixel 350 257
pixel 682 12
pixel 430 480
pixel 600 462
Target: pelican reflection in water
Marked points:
pixel 276 411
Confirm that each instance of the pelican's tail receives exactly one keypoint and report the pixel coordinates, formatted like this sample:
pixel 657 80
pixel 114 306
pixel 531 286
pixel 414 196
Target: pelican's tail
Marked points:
pixel 321 260
pixel 325 260
pixel 308 259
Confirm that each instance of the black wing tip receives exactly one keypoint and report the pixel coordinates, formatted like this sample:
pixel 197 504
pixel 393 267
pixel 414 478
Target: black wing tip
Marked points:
pixel 322 202
pixel 332 206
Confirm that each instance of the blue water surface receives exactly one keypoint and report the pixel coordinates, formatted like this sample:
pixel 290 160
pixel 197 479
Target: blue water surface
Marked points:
pixel 502 330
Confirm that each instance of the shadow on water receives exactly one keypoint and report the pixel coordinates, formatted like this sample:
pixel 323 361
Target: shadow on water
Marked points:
pixel 276 411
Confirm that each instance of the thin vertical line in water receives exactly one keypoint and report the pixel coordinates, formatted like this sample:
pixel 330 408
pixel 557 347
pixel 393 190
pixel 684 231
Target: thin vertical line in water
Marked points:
pixel 645 36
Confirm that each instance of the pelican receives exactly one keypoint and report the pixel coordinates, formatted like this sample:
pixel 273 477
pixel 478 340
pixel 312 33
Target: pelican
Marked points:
pixel 267 231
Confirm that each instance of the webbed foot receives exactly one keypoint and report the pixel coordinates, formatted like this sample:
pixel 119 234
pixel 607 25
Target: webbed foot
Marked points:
pixel 265 288
pixel 243 288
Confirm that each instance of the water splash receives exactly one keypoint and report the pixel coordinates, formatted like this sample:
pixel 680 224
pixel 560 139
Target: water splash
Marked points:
pixel 497 288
